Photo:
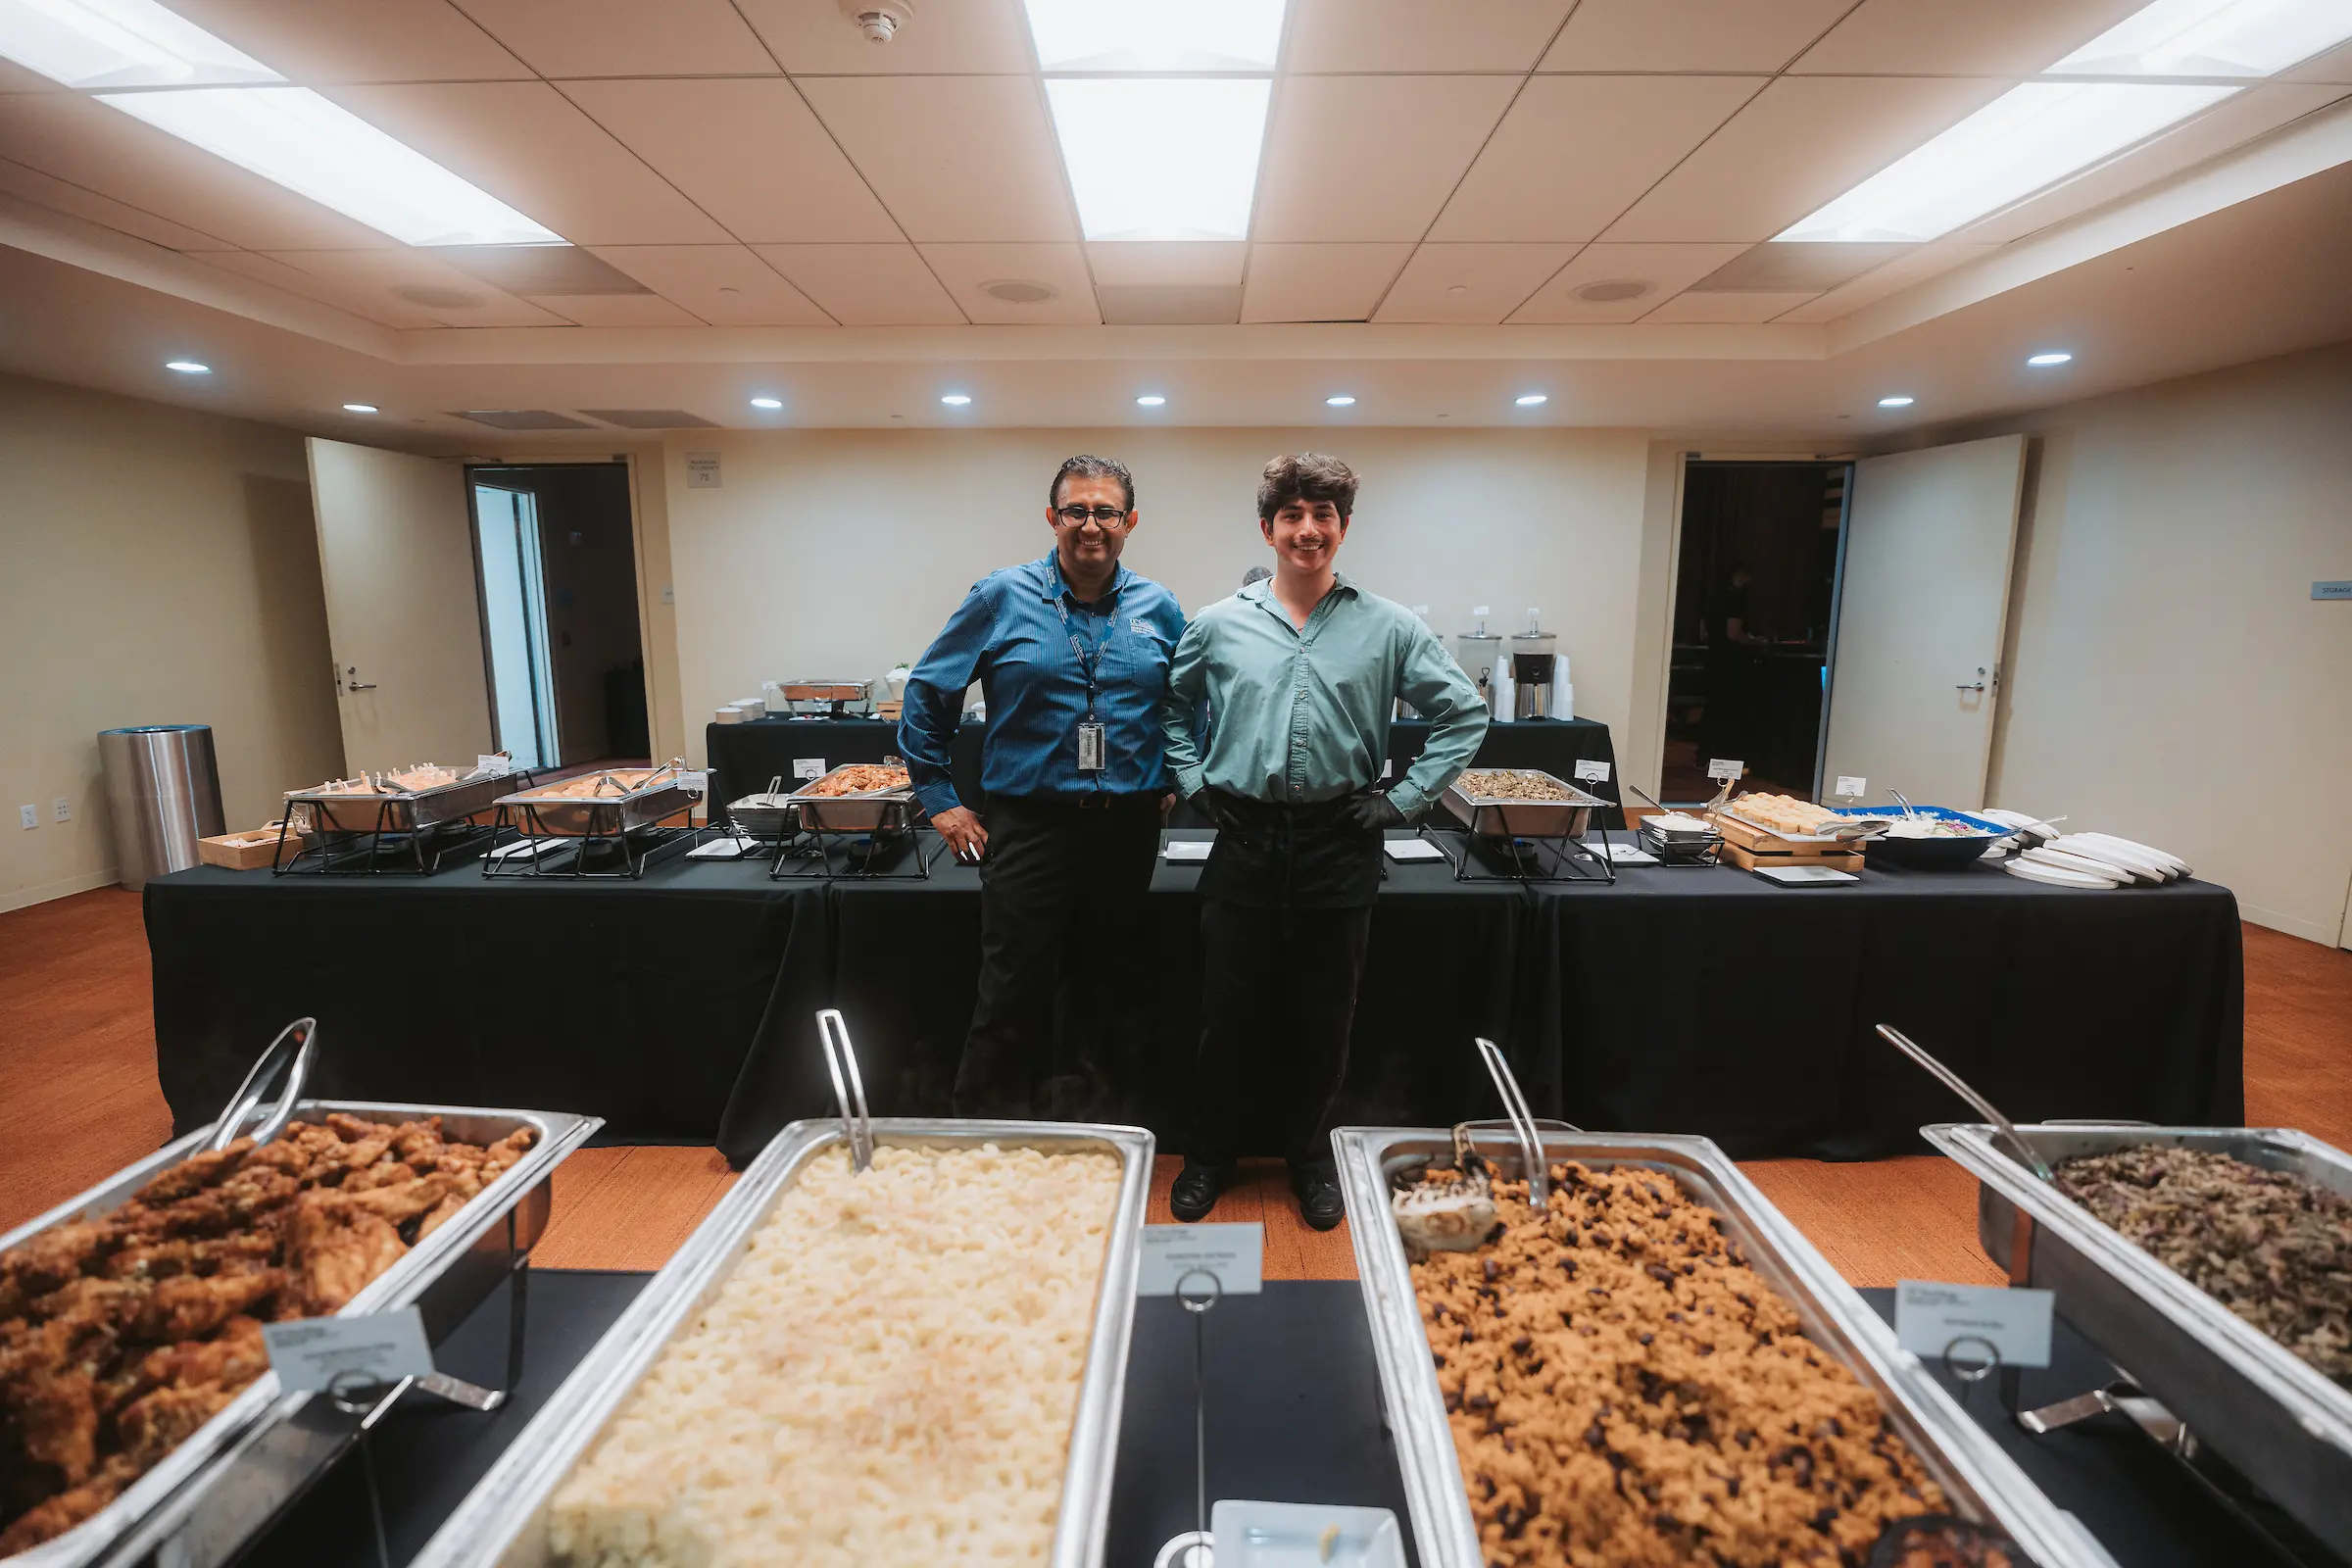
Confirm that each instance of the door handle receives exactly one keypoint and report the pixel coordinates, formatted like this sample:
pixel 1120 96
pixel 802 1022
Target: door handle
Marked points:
pixel 1962 686
pixel 358 685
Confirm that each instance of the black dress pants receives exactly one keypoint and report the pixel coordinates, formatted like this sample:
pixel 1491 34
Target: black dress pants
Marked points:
pixel 1276 1000
pixel 1061 903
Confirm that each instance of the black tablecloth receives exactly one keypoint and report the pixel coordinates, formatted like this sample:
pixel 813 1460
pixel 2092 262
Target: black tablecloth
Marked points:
pixel 1293 1416
pixel 1679 1001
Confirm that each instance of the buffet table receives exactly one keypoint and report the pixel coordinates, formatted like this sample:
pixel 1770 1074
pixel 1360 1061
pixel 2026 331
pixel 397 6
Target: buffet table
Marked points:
pixel 1699 1000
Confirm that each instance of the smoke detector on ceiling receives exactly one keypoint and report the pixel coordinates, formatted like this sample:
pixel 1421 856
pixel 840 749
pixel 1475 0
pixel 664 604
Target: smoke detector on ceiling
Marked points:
pixel 1018 290
pixel 879 20
pixel 1619 288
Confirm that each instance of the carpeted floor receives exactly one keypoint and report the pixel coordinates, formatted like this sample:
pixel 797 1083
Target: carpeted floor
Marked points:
pixel 79 1099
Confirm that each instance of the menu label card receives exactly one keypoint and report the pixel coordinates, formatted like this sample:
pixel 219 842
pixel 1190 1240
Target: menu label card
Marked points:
pixel 1932 1319
pixel 1592 771
pixel 808 767
pixel 1725 767
pixel 1234 1253
pixel 493 767
pixel 382 1347
pixel 1848 784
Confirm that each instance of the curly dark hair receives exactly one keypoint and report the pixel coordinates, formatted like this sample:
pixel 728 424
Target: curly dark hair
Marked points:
pixel 1085 466
pixel 1306 476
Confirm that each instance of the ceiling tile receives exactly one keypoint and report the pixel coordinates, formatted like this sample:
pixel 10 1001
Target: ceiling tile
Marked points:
pixel 1801 267
pixel 1797 144
pixel 2333 66
pixel 1922 261
pixel 1726 310
pixel 1662 269
pixel 1984 37
pixel 1690 34
pixel 1417 37
pixel 1168 262
pixel 953 157
pixel 1574 152
pixel 1319 282
pixel 365 282
pixel 1370 158
pixel 725 285
pixel 749 152
pixel 321 41
pixel 43 190
pixel 953 38
pixel 85 143
pixel 530 147
pixel 624 37
pixel 616 310
pixel 865 285
pixel 966 268
pixel 1469 282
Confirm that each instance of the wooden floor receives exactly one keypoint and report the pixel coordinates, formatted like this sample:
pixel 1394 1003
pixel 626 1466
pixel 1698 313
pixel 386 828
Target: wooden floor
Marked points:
pixel 79 1099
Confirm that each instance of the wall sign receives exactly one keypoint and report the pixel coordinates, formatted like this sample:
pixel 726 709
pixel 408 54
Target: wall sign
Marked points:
pixel 701 470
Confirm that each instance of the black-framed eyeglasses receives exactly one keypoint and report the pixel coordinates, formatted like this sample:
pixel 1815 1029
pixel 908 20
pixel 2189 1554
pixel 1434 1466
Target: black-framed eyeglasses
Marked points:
pixel 1078 516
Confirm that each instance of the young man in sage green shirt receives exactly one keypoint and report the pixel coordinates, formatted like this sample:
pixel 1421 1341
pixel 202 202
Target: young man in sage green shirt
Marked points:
pixel 1302 675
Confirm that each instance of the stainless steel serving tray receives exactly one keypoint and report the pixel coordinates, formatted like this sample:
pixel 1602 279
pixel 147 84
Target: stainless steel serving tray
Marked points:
pixel 1508 817
pixel 765 815
pixel 2271 1414
pixel 200 1504
pixel 861 812
pixel 1981 1480
pixel 504 1521
pixel 406 811
pixel 579 815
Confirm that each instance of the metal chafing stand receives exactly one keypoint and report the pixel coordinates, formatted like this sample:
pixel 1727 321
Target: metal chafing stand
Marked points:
pixel 1539 840
pixel 204 1500
pixel 872 827
pixel 504 1521
pixel 389 830
pixel 617 832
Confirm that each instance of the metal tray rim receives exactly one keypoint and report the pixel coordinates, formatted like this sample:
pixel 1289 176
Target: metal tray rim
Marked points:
pixel 185 1470
pixel 2324 1408
pixel 1425 1451
pixel 483 1527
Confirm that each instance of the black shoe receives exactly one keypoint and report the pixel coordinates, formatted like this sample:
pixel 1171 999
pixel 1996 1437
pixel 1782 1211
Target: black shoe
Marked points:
pixel 1196 1191
pixel 1318 1193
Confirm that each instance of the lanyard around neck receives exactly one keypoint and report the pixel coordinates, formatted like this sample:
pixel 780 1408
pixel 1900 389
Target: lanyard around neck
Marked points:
pixel 1088 663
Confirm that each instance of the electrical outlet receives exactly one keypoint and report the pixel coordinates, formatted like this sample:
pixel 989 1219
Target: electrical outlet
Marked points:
pixel 28 816
pixel 61 809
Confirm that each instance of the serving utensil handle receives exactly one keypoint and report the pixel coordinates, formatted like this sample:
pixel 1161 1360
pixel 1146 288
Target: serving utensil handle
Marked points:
pixel 1523 1121
pixel 833 1032
pixel 289 1054
pixel 1984 1108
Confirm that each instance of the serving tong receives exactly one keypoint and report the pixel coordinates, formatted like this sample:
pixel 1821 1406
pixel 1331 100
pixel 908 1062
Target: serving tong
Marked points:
pixel 833 1034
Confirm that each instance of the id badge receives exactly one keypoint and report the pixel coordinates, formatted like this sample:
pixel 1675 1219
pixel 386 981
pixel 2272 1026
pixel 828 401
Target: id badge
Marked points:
pixel 1090 748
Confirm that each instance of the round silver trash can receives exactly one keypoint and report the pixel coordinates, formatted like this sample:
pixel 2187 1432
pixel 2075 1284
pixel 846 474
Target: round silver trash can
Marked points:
pixel 163 790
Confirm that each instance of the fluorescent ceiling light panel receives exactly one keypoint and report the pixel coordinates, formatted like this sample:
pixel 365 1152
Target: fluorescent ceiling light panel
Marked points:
pixel 325 152
pixel 1157 34
pixel 1162 158
pixel 120 43
pixel 2049 358
pixel 2212 38
pixel 359 407
pixel 2031 136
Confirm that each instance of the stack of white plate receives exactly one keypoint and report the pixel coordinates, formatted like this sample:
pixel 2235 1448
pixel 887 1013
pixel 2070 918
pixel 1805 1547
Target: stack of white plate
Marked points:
pixel 2096 861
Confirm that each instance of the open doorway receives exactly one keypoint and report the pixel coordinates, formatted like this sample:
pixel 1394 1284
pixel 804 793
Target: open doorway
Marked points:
pixel 558 570
pixel 1755 610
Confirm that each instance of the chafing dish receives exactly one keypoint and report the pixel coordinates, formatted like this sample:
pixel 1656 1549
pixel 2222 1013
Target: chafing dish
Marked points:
pixel 823 697
pixel 765 815
pixel 199 1505
pixel 2272 1415
pixel 864 812
pixel 392 810
pixel 504 1521
pixel 1510 817
pixel 626 799
pixel 1982 1482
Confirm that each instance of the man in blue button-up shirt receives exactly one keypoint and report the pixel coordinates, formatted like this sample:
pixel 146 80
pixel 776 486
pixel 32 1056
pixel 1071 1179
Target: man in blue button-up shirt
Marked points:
pixel 1071 654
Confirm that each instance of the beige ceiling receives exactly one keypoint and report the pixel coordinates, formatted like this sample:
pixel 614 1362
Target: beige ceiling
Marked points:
pixel 755 165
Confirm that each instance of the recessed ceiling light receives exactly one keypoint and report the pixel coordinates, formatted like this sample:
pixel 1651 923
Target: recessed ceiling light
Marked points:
pixel 1898 400
pixel 2031 136
pixel 1341 402
pixel 188 367
pixel 1153 35
pixel 324 151
pixel 1151 400
pixel 767 403
pixel 1161 159
pixel 2211 38
pixel 954 400
pixel 1528 399
pixel 120 43
pixel 359 407
pixel 2048 359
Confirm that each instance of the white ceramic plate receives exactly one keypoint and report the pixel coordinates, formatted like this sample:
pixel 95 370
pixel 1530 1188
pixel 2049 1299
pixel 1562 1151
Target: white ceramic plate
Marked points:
pixel 2080 864
pixel 2138 867
pixel 2034 870
pixel 2172 863
pixel 1413 850
pixel 1805 876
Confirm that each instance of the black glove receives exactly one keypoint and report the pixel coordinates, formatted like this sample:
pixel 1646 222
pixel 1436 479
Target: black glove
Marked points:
pixel 1373 811
pixel 1217 807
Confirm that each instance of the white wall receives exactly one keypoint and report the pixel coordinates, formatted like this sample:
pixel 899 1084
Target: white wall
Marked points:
pixel 838 553
pixel 2169 677
pixel 157 566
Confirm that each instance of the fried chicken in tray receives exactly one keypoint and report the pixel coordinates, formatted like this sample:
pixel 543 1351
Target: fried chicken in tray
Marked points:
pixel 120 1335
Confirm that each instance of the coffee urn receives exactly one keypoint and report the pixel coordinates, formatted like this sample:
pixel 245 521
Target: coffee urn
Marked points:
pixel 1481 655
pixel 1533 660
